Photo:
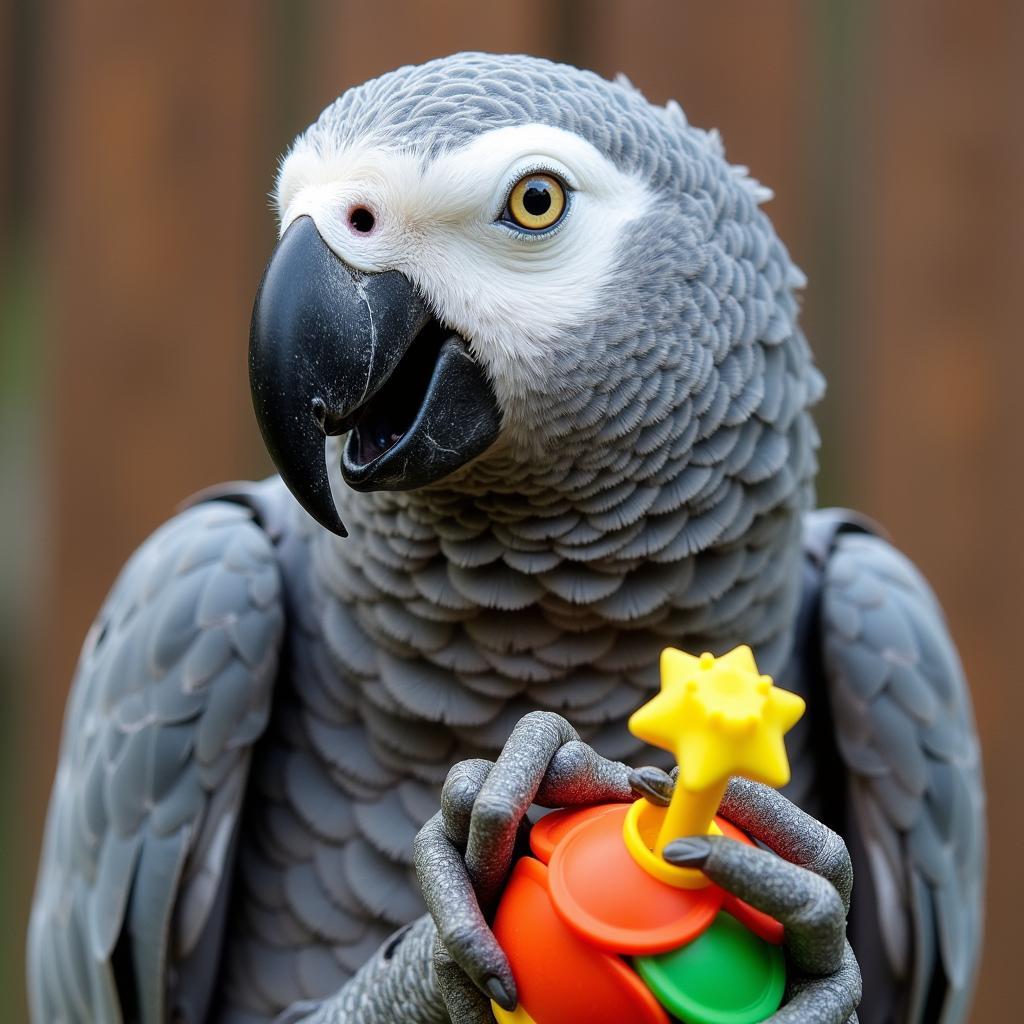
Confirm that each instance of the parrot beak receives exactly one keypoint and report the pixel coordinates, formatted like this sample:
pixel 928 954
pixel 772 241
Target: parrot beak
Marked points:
pixel 334 351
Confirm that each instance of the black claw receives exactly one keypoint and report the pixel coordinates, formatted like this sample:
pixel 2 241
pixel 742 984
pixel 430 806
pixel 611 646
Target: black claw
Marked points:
pixel 496 990
pixel 652 784
pixel 691 852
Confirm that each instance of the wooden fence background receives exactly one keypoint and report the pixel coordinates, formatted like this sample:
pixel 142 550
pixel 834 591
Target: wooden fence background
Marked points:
pixel 137 144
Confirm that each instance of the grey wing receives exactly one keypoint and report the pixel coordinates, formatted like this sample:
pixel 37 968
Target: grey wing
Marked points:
pixel 905 731
pixel 172 688
pixel 338 791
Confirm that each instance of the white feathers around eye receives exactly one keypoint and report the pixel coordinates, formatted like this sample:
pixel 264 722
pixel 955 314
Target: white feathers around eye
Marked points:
pixel 512 296
pixel 328 185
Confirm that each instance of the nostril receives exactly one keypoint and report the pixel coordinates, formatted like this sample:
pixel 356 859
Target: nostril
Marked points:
pixel 331 423
pixel 361 220
pixel 318 407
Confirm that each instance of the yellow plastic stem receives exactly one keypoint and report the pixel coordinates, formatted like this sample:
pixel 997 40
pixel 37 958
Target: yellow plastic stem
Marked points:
pixel 719 717
pixel 689 814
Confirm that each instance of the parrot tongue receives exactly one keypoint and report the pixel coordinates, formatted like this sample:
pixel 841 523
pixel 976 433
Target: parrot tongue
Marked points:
pixel 387 417
pixel 434 413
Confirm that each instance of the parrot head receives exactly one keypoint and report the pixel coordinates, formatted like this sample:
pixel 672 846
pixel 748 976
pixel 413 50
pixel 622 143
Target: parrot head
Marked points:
pixel 497 265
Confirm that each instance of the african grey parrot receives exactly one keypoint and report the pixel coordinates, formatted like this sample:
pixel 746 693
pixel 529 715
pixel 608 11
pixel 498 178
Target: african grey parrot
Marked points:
pixel 560 336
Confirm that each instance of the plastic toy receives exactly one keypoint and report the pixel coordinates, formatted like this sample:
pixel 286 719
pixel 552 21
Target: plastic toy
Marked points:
pixel 599 928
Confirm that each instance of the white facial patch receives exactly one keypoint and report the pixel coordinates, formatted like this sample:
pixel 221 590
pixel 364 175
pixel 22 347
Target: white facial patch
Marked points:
pixel 508 294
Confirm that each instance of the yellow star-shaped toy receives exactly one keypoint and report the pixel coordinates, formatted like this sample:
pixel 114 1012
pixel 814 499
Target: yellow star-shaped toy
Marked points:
pixel 719 717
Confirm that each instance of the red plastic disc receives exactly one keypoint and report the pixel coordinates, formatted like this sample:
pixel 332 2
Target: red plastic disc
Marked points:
pixel 609 900
pixel 562 980
pixel 553 827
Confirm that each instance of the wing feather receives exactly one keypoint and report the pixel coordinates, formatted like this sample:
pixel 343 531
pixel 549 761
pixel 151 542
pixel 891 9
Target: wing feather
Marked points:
pixel 905 731
pixel 172 688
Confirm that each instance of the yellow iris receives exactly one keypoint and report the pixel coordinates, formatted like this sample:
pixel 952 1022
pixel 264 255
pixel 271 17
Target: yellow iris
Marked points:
pixel 537 202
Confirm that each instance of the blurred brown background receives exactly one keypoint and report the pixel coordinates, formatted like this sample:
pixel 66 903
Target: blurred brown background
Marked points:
pixel 137 145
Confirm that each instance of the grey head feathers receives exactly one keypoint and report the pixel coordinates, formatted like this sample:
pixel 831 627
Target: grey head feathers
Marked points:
pixel 655 495
pixel 445 103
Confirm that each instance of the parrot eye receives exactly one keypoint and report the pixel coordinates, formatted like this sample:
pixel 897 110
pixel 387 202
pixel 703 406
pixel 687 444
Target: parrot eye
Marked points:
pixel 536 202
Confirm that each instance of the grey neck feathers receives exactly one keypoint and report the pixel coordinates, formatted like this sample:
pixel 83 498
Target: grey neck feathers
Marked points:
pixel 555 584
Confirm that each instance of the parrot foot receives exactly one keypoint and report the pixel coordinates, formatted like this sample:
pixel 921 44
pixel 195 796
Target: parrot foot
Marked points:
pixel 464 853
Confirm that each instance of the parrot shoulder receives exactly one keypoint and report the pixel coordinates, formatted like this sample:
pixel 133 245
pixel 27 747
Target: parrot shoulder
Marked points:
pixel 172 689
pixel 905 733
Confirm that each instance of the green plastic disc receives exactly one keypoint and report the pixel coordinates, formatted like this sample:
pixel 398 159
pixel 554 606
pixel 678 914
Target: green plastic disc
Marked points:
pixel 727 975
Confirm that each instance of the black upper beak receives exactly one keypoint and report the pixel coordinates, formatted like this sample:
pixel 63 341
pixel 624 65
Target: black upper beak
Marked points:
pixel 331 351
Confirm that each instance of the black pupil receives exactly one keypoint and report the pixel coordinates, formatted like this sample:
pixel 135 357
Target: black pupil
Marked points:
pixel 361 219
pixel 537 198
